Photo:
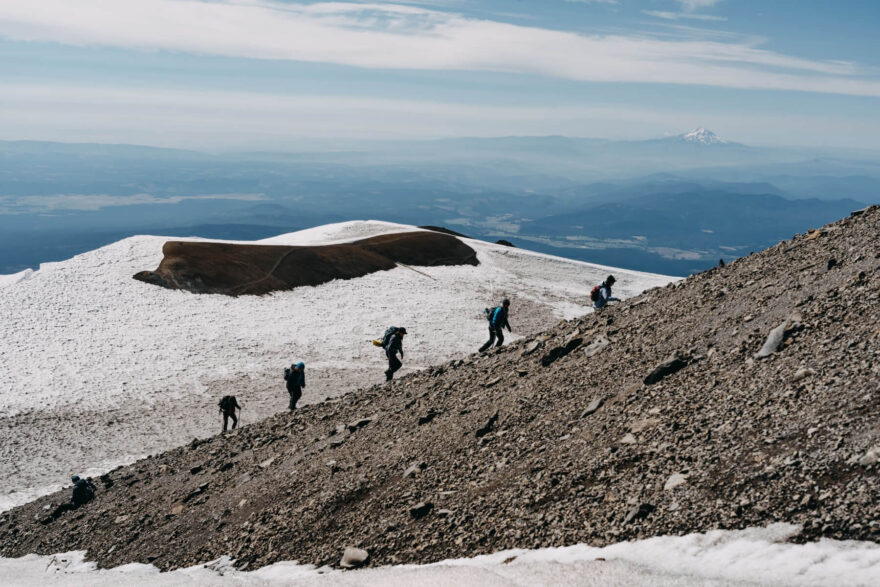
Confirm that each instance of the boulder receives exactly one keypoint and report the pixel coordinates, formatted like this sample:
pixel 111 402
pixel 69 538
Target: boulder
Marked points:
pixel 671 365
pixel 420 510
pixel 593 407
pixel 353 558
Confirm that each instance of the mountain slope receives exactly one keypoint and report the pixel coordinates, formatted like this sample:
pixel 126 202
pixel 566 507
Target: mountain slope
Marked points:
pixel 653 417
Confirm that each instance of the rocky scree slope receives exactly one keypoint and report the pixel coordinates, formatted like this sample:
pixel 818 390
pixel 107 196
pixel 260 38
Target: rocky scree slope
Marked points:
pixel 652 417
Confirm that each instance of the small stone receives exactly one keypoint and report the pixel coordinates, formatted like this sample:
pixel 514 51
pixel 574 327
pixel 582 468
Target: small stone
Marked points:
pixel 420 510
pixel 593 407
pixel 176 509
pixel 415 469
pixel 444 513
pixel 531 347
pixel 488 426
pixel 869 458
pixel 773 342
pixel 493 382
pixel 267 463
pixel 353 558
pixel 640 425
pixel 195 470
pixel 596 346
pixel 628 439
pixel 671 365
pixel 802 373
pixel 360 423
pixel 638 512
pixel 674 481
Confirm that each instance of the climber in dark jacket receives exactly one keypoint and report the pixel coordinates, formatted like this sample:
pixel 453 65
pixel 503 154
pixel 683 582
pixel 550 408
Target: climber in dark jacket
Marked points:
pixel 295 377
pixel 497 322
pixel 394 346
pixel 228 404
pixel 83 492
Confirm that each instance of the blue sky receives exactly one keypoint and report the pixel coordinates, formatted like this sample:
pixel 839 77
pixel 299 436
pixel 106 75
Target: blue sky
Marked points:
pixel 269 74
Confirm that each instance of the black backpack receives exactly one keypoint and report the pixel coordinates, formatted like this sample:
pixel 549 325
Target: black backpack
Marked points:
pixel 227 403
pixel 389 332
pixel 83 491
pixel 490 312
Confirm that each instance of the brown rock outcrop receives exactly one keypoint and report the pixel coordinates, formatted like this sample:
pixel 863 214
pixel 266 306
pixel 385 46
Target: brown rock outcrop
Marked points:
pixel 237 269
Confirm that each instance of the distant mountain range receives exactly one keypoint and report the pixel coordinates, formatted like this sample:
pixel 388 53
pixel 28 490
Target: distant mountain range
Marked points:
pixel 59 199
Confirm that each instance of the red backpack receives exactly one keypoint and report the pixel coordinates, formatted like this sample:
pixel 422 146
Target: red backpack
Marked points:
pixel 594 294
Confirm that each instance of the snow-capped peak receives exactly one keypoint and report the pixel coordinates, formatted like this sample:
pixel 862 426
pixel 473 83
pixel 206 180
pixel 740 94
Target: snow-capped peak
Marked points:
pixel 702 136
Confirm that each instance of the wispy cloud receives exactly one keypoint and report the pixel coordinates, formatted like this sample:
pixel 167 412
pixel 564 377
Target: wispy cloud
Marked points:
pixel 689 10
pixel 697 4
pixel 683 15
pixel 395 36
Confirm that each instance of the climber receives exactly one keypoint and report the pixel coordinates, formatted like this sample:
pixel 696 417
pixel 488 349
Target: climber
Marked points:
pixel 497 322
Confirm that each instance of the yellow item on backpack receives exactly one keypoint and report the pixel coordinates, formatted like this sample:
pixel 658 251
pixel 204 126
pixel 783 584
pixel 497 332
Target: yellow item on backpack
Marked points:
pixel 377 342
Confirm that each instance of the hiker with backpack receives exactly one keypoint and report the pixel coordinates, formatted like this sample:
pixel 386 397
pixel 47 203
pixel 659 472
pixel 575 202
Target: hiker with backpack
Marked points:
pixel 295 376
pixel 392 342
pixel 601 294
pixel 83 492
pixel 497 322
pixel 228 404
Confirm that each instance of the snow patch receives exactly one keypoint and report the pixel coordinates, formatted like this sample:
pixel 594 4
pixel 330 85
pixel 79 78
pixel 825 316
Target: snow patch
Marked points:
pixel 743 557
pixel 12 279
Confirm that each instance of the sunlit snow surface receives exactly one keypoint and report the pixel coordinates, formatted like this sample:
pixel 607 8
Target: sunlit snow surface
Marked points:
pixel 100 369
pixel 747 557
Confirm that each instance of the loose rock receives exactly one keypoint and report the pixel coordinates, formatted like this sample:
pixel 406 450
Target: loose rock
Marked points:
pixel 353 558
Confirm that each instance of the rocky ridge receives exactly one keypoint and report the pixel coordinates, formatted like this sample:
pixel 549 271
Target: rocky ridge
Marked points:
pixel 741 396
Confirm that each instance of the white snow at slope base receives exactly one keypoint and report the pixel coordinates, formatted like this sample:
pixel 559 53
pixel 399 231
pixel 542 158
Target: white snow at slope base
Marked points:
pixel 724 558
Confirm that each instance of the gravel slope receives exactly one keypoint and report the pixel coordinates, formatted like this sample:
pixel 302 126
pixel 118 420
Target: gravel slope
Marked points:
pixel 652 417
